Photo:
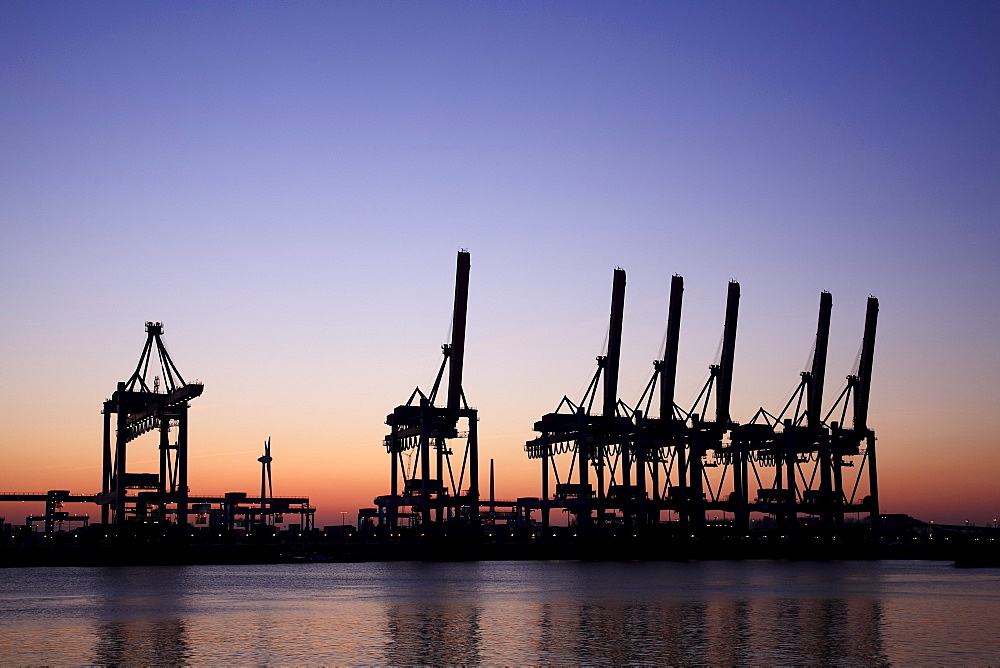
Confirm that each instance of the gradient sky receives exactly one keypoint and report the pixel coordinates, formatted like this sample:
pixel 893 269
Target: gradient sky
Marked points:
pixel 285 186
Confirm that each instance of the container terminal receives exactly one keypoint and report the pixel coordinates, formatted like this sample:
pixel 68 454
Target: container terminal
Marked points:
pixel 643 481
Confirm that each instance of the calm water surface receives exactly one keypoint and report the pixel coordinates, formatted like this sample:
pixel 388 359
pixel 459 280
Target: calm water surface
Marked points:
pixel 751 612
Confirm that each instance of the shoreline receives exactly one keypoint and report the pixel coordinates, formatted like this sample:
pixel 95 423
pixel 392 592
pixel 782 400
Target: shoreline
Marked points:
pixel 26 556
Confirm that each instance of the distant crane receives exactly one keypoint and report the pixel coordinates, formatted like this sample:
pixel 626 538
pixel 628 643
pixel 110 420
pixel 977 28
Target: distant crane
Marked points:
pixel 266 489
pixel 141 407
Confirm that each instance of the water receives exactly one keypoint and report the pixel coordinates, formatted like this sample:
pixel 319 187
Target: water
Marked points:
pixel 752 612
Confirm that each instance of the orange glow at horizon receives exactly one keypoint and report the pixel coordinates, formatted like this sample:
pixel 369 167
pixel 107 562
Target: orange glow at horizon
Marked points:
pixel 331 451
pixel 346 476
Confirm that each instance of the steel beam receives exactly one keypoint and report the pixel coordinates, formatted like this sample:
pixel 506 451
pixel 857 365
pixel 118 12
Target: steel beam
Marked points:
pixel 457 359
pixel 610 407
pixel 861 398
pixel 725 381
pixel 723 397
pixel 814 414
pixel 863 390
pixel 668 382
pixel 182 466
pixel 121 440
pixel 108 463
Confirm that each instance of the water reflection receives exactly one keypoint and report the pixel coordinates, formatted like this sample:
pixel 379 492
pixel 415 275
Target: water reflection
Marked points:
pixel 687 622
pixel 603 633
pixel 717 632
pixel 733 645
pixel 828 631
pixel 141 619
pixel 503 613
pixel 161 643
pixel 434 633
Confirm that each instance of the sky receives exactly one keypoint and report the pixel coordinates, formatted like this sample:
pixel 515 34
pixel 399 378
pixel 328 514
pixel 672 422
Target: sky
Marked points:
pixel 285 186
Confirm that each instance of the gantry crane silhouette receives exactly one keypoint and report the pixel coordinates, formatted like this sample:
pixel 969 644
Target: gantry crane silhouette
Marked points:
pixel 141 405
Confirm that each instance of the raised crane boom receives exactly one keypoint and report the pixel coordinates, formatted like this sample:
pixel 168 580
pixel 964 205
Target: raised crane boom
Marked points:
pixel 725 388
pixel 865 368
pixel 457 354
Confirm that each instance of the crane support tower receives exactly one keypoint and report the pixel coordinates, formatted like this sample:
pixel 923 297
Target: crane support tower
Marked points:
pixel 599 442
pixel 421 436
pixel 141 406
pixel 661 442
pixel 706 437
pixel 682 445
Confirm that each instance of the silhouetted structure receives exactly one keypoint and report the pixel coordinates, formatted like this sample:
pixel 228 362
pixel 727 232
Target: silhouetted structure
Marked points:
pixel 238 510
pixel 661 442
pixel 421 430
pixel 54 514
pixel 685 463
pixel 599 442
pixel 807 452
pixel 266 487
pixel 614 467
pixel 141 407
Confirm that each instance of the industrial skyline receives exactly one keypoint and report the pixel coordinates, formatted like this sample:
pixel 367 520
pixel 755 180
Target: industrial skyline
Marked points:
pixel 284 189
